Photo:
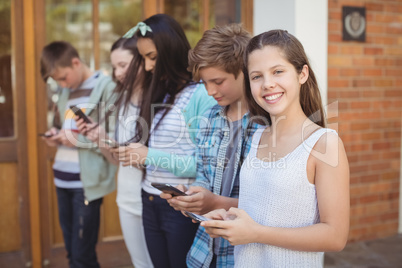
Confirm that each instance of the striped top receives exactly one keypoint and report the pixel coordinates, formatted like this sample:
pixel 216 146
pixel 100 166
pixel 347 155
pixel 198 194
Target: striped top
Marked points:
pixel 278 194
pixel 66 166
pixel 171 136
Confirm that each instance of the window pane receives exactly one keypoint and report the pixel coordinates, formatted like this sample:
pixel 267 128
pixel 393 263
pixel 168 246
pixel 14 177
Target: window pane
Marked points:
pixel 6 94
pixel 116 18
pixel 187 13
pixel 71 20
pixel 224 12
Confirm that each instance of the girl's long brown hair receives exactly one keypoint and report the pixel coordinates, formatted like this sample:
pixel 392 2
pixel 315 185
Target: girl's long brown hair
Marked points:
pixel 170 75
pixel 310 97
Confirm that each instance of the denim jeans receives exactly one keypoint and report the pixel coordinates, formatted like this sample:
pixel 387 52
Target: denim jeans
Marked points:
pixel 168 233
pixel 80 226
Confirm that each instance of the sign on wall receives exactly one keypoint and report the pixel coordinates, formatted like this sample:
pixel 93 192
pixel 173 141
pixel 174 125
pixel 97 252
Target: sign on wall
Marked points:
pixel 354 23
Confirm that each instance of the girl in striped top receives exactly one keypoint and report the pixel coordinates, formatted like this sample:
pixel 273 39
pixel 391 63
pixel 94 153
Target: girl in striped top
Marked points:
pixel 170 110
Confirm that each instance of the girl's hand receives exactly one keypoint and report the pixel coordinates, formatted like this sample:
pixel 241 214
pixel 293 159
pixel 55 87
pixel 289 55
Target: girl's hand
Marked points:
pixel 235 225
pixel 133 154
pixel 217 214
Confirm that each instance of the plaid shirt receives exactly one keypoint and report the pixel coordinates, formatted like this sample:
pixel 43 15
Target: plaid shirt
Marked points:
pixel 213 139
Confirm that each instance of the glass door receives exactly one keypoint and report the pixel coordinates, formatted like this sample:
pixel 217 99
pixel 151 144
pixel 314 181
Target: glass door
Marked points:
pixel 91 26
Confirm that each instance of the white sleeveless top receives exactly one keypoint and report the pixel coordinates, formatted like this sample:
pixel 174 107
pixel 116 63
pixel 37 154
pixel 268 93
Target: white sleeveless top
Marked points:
pixel 129 178
pixel 278 194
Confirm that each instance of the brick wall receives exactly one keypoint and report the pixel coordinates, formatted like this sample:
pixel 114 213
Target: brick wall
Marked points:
pixel 366 80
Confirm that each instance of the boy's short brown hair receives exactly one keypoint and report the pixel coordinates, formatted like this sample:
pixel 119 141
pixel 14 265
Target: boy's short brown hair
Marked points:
pixel 54 55
pixel 222 47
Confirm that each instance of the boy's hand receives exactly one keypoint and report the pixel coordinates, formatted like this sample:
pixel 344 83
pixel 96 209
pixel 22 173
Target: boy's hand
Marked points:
pixel 81 125
pixel 51 141
pixel 199 201
pixel 169 196
pixel 67 137
pixel 92 131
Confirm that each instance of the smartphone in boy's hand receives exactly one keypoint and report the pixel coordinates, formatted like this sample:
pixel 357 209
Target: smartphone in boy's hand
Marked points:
pixel 46 135
pixel 167 188
pixel 196 217
pixel 78 112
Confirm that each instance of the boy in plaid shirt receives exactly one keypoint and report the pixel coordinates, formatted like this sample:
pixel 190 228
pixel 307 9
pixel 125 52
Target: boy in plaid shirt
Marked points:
pixel 223 140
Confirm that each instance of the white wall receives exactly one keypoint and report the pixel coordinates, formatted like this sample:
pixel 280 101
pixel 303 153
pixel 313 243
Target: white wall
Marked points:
pixel 269 15
pixel 308 21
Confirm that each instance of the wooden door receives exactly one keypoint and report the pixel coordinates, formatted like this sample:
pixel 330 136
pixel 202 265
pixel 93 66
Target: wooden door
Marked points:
pixel 14 198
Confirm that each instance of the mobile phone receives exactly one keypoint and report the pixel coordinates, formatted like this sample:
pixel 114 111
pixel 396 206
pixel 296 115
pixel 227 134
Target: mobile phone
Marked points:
pixel 45 135
pixel 78 112
pixel 167 188
pixel 196 217
pixel 111 143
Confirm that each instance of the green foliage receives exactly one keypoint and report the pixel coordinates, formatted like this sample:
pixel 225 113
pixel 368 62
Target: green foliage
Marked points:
pixel 122 16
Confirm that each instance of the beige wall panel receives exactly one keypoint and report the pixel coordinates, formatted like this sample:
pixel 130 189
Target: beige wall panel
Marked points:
pixel 110 218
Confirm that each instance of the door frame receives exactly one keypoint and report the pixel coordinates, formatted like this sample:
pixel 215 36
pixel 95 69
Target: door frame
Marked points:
pixel 14 148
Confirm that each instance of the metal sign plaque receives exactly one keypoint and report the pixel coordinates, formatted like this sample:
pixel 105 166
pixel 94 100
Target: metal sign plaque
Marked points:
pixel 354 23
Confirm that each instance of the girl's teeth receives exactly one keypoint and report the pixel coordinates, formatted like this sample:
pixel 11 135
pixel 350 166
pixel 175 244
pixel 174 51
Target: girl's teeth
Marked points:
pixel 273 97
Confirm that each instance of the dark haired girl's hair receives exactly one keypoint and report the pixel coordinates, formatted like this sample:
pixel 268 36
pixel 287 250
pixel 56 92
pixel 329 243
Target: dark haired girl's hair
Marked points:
pixel 293 51
pixel 170 74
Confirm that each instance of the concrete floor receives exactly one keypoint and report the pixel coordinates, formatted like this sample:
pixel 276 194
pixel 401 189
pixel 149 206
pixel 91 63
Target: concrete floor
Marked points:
pixel 380 253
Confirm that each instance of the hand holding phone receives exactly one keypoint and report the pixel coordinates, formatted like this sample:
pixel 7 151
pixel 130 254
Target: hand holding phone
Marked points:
pixel 114 144
pixel 78 112
pixel 111 143
pixel 196 217
pixel 45 135
pixel 167 188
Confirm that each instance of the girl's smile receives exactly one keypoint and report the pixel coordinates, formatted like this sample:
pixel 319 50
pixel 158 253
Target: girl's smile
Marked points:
pixel 273 98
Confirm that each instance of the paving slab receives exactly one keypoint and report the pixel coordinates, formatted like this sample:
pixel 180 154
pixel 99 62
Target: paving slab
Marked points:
pixel 380 253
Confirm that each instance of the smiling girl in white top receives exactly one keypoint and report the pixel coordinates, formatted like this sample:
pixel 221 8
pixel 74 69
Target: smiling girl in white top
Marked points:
pixel 294 184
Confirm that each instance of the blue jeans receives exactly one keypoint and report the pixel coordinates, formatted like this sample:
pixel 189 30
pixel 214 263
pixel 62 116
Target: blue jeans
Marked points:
pixel 168 233
pixel 80 226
